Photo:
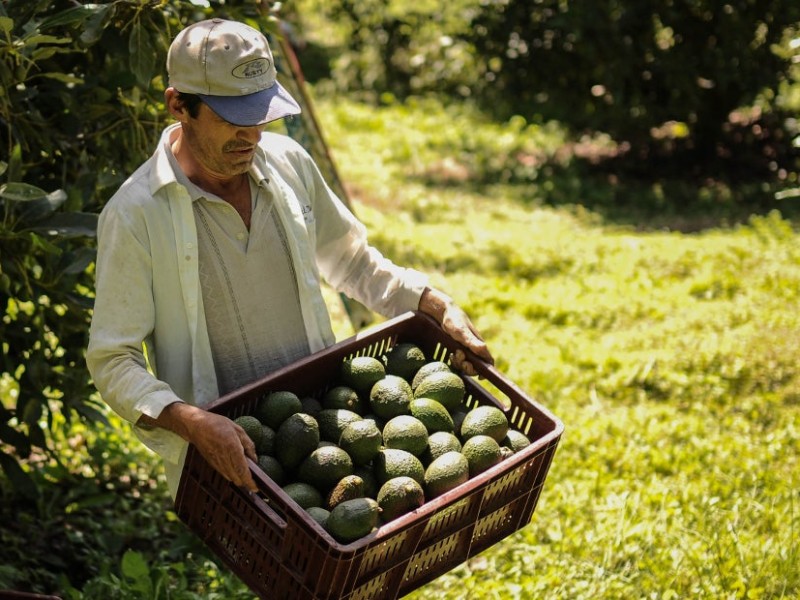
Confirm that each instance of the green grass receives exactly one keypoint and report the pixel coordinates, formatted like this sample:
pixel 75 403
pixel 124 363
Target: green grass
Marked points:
pixel 670 357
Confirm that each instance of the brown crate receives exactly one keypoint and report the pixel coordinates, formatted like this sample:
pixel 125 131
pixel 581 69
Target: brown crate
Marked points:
pixel 279 551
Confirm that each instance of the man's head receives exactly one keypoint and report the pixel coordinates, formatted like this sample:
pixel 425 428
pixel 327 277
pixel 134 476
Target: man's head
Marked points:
pixel 229 65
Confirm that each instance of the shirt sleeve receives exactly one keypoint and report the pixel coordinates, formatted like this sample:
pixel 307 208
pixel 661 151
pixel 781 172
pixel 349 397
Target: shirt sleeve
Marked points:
pixel 346 259
pixel 123 320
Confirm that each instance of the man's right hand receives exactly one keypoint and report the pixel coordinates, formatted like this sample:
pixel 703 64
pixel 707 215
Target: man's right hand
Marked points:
pixel 223 443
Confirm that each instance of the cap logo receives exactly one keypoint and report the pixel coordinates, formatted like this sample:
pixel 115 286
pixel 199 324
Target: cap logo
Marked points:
pixel 251 69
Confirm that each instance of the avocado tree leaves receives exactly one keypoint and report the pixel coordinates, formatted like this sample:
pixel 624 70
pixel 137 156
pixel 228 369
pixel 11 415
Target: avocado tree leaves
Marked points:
pixel 142 58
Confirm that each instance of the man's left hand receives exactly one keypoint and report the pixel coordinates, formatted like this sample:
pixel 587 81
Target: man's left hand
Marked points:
pixel 457 325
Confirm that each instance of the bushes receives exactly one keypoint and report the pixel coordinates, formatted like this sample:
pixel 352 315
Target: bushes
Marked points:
pixel 662 79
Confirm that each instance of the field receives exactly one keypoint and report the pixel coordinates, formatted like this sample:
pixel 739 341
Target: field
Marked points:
pixel 666 342
pixel 670 357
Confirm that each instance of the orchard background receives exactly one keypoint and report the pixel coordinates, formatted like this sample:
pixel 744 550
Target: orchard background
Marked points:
pixel 611 191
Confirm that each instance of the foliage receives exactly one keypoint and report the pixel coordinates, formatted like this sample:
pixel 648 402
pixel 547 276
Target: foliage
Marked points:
pixel 534 163
pixel 389 47
pixel 44 288
pixel 102 526
pixel 689 90
pixel 55 114
pixel 81 89
pixel 626 69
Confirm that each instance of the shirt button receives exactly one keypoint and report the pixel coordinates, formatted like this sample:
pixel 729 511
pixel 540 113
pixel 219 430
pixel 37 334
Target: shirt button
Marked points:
pixel 189 246
pixel 240 236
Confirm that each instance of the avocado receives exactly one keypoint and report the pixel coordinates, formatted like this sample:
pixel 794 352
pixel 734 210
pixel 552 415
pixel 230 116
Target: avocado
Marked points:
pixel 296 438
pixel 399 496
pixel 448 471
pixel 348 488
pixel 332 422
pixel 353 519
pixel 275 407
pixel 324 467
pixel 404 360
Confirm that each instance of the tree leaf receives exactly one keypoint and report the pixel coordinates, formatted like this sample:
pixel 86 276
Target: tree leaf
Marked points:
pixel 16 438
pixel 135 568
pixel 32 412
pixel 45 39
pixel 35 203
pixel 21 192
pixel 67 225
pixel 95 26
pixel 79 261
pixel 63 77
pixel 91 414
pixel 142 57
pixel 21 480
pixel 14 165
pixel 73 15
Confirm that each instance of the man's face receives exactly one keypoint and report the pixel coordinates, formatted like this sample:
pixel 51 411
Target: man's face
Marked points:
pixel 222 149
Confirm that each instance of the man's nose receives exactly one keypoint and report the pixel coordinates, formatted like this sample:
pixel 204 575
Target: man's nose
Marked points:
pixel 250 134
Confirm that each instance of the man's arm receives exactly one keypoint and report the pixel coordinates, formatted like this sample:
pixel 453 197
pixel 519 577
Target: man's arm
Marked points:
pixel 457 325
pixel 223 443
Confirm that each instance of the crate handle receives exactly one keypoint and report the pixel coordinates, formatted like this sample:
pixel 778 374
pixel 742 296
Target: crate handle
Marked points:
pixel 263 504
pixel 488 371
pixel 259 497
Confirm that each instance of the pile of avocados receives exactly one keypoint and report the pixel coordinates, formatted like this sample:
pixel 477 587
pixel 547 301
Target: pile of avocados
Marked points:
pixel 389 433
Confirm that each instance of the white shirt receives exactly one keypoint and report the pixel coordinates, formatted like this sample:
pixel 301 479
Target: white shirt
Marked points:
pixel 149 343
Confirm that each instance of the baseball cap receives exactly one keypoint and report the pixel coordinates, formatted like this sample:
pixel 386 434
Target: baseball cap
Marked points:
pixel 230 66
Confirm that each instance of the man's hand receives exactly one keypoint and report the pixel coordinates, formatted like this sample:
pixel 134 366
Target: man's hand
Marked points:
pixel 457 325
pixel 223 443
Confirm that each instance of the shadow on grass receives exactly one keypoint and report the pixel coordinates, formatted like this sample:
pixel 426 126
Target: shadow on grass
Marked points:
pixel 666 186
pixel 674 203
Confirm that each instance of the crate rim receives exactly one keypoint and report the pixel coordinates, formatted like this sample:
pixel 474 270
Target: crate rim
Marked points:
pixel 482 367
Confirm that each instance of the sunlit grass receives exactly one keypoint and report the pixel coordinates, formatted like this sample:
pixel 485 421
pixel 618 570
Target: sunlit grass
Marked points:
pixel 671 358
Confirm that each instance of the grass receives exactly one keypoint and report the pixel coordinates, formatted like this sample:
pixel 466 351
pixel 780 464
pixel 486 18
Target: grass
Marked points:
pixel 671 358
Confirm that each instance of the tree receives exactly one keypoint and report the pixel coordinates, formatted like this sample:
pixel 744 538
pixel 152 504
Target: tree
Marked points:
pixel 662 76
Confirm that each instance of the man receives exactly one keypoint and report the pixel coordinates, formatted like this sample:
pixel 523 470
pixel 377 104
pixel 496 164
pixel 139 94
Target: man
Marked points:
pixel 210 257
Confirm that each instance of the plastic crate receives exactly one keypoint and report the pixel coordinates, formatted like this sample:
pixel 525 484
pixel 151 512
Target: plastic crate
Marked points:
pixel 279 551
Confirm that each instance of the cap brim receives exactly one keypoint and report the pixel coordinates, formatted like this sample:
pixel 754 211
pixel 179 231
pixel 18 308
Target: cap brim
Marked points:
pixel 254 109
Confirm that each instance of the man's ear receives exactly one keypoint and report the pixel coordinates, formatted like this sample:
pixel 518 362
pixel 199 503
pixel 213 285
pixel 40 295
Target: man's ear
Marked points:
pixel 174 104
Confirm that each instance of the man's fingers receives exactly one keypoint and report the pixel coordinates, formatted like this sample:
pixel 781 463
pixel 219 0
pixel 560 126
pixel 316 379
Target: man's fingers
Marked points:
pixel 461 363
pixel 246 480
pixel 248 446
pixel 242 469
pixel 226 447
pixel 237 471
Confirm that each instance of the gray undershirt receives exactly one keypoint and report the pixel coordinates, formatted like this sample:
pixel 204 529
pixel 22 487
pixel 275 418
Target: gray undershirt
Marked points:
pixel 250 294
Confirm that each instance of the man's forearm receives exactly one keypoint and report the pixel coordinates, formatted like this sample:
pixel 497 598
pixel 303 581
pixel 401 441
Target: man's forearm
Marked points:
pixel 175 417
pixel 223 443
